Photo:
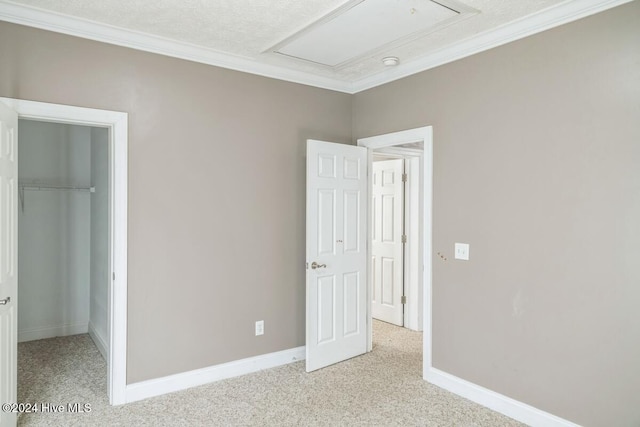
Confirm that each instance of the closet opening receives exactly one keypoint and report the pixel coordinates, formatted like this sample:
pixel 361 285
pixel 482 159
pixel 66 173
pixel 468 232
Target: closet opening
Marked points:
pixel 63 257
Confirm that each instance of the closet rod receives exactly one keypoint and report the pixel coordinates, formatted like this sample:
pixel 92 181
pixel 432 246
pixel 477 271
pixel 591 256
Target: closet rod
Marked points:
pixel 55 187
pixel 23 187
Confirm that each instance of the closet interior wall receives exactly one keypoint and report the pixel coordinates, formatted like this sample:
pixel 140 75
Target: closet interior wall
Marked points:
pixel 63 232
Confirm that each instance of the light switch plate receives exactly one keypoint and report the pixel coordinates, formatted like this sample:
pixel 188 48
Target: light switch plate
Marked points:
pixel 461 251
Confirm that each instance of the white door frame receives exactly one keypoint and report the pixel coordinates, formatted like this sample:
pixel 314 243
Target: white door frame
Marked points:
pixel 412 226
pixel 425 135
pixel 117 123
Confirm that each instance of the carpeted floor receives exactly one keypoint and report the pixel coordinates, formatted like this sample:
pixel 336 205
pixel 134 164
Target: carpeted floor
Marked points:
pixel 381 388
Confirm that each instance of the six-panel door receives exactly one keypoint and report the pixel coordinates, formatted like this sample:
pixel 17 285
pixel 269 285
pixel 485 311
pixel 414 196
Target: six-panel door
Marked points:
pixel 336 253
pixel 8 261
pixel 387 252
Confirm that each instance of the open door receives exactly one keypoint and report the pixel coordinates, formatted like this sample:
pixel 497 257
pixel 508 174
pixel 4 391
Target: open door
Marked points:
pixel 388 241
pixel 8 262
pixel 336 314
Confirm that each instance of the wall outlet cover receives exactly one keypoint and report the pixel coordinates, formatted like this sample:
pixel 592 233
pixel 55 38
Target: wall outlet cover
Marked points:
pixel 260 327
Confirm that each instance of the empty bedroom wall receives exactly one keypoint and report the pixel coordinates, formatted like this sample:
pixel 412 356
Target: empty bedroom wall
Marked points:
pixel 216 191
pixel 536 166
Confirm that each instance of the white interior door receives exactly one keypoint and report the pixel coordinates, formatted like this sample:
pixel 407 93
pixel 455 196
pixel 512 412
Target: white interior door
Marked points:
pixel 336 280
pixel 8 261
pixel 387 263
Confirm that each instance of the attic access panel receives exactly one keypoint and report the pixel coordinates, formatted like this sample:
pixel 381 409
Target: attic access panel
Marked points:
pixel 365 27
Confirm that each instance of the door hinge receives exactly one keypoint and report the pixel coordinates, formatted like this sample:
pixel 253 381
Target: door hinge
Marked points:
pixel 403 300
pixel 404 177
pixel 113 275
pixel 404 238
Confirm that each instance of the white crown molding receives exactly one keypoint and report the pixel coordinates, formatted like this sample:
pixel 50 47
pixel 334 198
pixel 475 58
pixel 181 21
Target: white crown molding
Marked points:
pixel 87 29
pixel 566 12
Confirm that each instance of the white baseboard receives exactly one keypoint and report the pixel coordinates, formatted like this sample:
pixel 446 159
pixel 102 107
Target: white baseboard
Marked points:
pixel 52 331
pixel 485 397
pixel 99 341
pixel 505 405
pixel 171 383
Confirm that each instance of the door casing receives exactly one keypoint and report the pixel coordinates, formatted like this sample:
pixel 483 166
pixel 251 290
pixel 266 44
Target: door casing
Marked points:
pixel 412 282
pixel 116 123
pixel 425 135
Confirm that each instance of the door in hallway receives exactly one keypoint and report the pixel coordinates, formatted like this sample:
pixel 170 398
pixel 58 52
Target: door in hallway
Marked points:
pixel 387 264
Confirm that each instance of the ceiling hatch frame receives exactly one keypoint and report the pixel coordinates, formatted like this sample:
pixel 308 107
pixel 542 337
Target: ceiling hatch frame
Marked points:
pixel 462 11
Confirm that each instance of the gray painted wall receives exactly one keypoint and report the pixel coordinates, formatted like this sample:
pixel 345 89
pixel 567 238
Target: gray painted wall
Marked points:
pixel 536 154
pixel 99 245
pixel 53 258
pixel 216 191
pixel 537 166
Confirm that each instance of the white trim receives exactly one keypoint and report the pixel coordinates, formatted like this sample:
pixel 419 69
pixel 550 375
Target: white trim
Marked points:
pixel 99 341
pixel 52 331
pixel 505 405
pixel 118 304
pixel 198 377
pixel 116 122
pixel 395 138
pixel 92 30
pixel 413 227
pixel 546 19
pixel 427 241
pixel 425 135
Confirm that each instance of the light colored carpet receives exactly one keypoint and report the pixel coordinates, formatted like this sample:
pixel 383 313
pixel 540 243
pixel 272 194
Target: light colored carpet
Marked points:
pixel 381 388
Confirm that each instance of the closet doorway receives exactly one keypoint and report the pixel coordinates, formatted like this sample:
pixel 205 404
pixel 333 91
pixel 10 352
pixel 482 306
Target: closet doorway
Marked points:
pixel 63 236
pixel 116 124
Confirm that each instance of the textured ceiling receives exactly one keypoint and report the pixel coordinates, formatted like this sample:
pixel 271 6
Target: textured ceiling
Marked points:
pixel 250 28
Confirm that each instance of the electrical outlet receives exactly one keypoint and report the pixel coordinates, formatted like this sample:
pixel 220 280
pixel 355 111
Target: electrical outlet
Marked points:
pixel 260 327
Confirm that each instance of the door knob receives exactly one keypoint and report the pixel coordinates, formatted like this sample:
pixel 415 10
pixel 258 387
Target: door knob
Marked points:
pixel 315 265
pixel 5 301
